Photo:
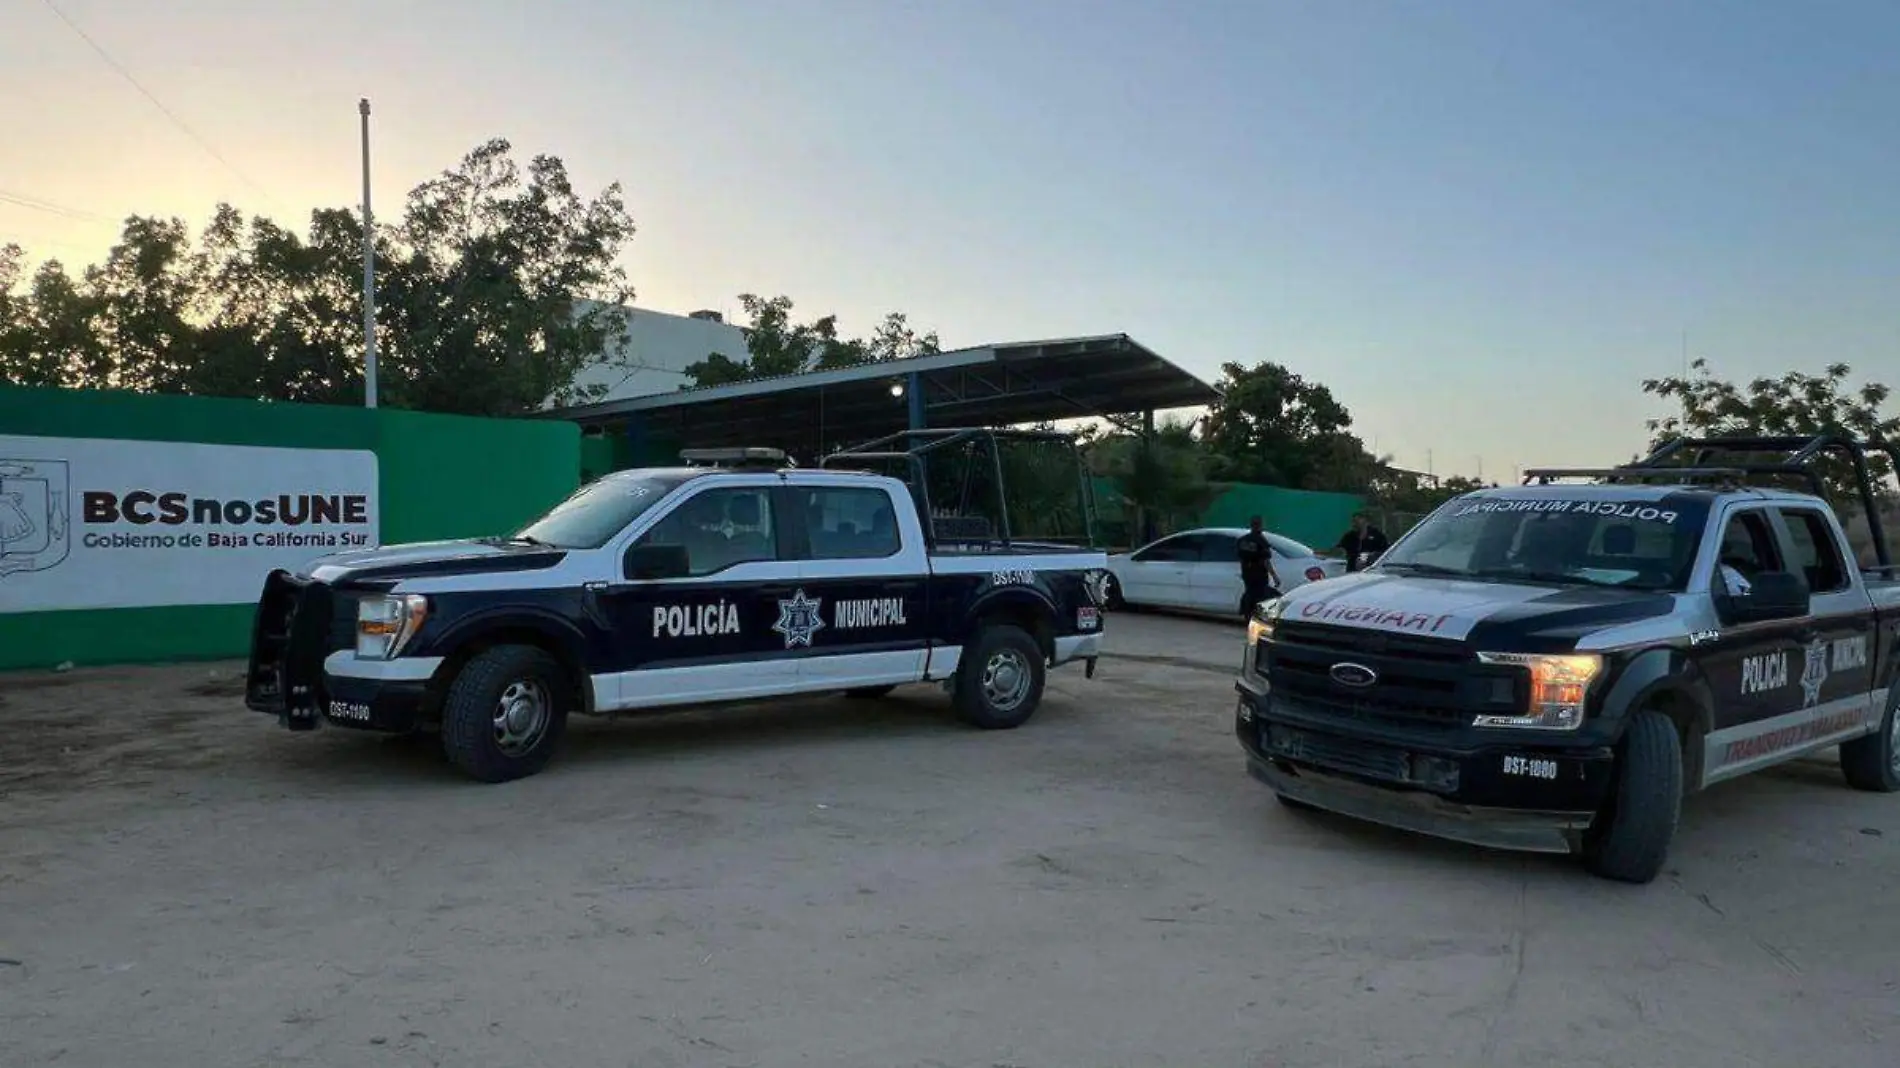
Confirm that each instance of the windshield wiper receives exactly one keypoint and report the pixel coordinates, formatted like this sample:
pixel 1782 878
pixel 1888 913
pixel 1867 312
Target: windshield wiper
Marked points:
pixel 1559 577
pixel 1424 569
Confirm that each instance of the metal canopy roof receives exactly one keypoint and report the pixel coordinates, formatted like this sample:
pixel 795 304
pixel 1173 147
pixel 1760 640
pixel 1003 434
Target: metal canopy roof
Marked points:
pixel 996 385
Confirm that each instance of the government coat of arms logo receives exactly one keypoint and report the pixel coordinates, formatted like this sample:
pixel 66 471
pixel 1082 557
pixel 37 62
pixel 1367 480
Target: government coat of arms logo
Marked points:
pixel 35 498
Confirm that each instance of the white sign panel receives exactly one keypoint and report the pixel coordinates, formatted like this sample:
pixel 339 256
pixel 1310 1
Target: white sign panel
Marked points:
pixel 106 523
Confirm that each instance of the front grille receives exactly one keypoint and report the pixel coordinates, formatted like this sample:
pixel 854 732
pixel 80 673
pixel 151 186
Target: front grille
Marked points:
pixel 1432 683
pixel 1335 754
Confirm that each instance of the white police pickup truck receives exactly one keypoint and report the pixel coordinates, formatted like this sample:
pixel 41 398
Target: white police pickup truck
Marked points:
pixel 1552 667
pixel 660 587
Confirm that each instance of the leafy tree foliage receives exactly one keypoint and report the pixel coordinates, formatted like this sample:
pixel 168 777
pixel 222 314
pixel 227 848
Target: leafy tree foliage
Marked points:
pixel 1275 428
pixel 494 287
pixel 777 344
pixel 1794 404
pixel 1164 486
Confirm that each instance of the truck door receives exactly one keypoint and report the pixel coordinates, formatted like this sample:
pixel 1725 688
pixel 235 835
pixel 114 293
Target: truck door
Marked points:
pixel 1838 651
pixel 707 635
pixel 1754 670
pixel 860 614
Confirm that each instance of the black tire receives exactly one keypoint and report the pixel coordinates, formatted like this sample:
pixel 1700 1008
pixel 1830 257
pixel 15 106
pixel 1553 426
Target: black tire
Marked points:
pixel 1112 595
pixel 1873 763
pixel 473 738
pixel 1004 662
pixel 1630 840
pixel 868 693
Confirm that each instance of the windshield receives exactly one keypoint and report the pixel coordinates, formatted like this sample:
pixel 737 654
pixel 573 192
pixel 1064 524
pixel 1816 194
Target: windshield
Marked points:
pixel 596 512
pixel 1643 545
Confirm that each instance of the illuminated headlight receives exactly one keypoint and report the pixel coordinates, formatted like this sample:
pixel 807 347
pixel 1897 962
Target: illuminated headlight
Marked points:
pixel 1260 624
pixel 1559 687
pixel 385 624
pixel 1259 629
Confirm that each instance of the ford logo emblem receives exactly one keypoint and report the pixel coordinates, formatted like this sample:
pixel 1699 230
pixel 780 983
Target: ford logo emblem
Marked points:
pixel 1358 676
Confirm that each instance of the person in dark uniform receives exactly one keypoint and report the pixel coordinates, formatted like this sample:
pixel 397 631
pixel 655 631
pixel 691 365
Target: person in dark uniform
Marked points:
pixel 1362 539
pixel 1256 568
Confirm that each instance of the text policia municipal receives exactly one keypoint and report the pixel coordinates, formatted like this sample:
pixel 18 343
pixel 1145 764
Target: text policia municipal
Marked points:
pixel 722 617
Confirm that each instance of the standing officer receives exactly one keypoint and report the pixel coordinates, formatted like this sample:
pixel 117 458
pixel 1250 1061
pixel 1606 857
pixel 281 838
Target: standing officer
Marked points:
pixel 1256 568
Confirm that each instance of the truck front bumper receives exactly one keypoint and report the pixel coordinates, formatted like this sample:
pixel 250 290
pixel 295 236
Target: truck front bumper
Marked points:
pixel 1529 795
pixel 367 695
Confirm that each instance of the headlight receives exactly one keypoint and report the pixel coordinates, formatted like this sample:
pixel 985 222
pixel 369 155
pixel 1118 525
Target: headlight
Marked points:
pixel 1559 686
pixel 1260 624
pixel 385 624
pixel 1258 630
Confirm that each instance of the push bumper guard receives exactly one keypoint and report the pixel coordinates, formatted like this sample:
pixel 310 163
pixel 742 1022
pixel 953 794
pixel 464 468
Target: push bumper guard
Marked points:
pixel 289 638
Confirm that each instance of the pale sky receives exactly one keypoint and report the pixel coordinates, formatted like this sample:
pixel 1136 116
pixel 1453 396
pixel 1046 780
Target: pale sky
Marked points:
pixel 1481 222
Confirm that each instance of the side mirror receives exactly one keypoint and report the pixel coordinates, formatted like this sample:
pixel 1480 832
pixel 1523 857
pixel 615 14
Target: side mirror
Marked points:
pixel 1771 595
pixel 656 562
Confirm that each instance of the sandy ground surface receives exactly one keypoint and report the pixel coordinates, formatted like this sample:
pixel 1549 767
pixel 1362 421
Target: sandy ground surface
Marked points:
pixel 844 883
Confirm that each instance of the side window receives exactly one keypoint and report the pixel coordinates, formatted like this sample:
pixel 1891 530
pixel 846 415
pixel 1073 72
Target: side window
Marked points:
pixel 1220 549
pixel 1815 551
pixel 720 528
pixel 850 523
pixel 1748 546
pixel 1184 549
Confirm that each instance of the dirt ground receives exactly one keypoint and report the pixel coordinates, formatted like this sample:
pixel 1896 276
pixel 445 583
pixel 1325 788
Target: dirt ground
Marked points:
pixel 849 883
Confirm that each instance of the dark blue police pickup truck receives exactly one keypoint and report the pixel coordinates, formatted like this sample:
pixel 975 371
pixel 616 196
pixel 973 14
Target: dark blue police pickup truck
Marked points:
pixel 661 587
pixel 1552 666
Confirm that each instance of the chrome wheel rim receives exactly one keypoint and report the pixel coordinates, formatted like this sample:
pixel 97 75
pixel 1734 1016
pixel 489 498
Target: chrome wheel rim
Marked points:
pixel 521 717
pixel 1006 680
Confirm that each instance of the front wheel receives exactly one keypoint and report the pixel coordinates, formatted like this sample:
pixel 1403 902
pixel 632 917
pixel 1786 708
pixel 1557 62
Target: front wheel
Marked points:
pixel 1112 594
pixel 1631 836
pixel 505 713
pixel 999 683
pixel 1873 763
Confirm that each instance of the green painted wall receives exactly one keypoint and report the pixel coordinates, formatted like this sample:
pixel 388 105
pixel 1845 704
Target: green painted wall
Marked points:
pixel 1317 519
pixel 441 476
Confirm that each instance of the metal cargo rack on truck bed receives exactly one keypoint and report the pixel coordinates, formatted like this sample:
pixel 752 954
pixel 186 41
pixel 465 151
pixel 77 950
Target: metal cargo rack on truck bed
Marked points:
pixel 1704 467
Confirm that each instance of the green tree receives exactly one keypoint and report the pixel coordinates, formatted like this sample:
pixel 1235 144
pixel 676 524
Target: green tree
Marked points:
pixel 1402 498
pixel 1165 485
pixel 1273 427
pixel 777 344
pixel 494 288
pixel 1793 404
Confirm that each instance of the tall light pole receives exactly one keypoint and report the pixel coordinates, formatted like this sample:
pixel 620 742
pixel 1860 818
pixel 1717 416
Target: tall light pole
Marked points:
pixel 369 272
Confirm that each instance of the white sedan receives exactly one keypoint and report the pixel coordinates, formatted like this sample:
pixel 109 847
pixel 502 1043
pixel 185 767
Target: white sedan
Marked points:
pixel 1199 571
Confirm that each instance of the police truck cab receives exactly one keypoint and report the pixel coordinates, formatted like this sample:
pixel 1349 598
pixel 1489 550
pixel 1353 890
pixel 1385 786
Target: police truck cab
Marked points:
pixel 733 577
pixel 1553 666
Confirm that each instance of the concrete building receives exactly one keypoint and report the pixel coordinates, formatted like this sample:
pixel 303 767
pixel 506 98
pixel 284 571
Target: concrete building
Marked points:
pixel 651 357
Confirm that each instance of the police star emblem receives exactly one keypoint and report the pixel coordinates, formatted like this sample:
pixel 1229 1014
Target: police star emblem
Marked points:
pixel 798 619
pixel 1814 673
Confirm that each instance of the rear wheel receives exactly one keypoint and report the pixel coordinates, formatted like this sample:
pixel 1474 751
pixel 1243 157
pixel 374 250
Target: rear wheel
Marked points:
pixel 999 682
pixel 1873 763
pixel 505 713
pixel 1630 840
